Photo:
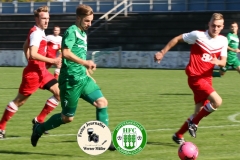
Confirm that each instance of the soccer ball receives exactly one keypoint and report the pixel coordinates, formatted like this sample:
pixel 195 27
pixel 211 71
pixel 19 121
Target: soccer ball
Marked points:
pixel 188 151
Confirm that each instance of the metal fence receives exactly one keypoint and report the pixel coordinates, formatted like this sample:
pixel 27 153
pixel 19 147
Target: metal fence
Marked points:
pixel 67 6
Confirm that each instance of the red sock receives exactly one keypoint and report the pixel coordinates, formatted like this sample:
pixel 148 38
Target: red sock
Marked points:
pixel 50 105
pixel 206 110
pixel 56 76
pixel 10 110
pixel 183 129
pixel 56 73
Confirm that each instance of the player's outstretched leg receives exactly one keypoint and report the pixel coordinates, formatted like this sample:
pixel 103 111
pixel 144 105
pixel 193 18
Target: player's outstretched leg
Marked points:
pixel 208 108
pixel 34 121
pixel 177 139
pixel 35 135
pixel 50 105
pixel 102 115
pixel 38 129
pixel 178 136
pixel 192 129
pixel 10 110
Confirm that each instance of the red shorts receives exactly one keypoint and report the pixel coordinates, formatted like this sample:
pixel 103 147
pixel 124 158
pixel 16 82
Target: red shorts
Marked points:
pixel 201 87
pixel 32 80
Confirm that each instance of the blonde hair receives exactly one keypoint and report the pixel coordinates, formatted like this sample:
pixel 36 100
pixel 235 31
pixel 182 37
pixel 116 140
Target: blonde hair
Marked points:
pixel 84 10
pixel 40 9
pixel 217 16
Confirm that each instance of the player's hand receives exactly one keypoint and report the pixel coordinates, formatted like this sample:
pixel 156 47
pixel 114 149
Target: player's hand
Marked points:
pixel 58 62
pixel 214 60
pixel 158 57
pixel 90 65
pixel 237 50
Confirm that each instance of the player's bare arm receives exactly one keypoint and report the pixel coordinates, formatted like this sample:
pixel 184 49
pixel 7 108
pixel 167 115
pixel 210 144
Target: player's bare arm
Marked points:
pixel 219 62
pixel 36 56
pixel 234 50
pixel 90 65
pixel 159 55
pixel 26 50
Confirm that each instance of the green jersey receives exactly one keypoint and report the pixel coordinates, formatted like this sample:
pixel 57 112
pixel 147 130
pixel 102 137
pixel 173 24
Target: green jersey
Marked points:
pixel 233 42
pixel 75 40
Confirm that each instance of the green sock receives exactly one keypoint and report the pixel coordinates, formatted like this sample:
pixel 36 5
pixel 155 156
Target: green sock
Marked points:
pixel 53 122
pixel 102 115
pixel 216 74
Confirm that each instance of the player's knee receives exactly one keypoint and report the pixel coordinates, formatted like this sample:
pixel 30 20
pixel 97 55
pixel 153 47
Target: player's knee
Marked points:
pixel 217 103
pixel 101 102
pixel 66 119
pixel 55 90
pixel 20 100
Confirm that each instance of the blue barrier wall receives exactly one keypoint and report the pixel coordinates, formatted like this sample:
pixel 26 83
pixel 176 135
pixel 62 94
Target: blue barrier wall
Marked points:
pixel 102 6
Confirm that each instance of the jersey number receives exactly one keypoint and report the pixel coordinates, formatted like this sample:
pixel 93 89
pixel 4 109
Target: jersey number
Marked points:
pixel 206 57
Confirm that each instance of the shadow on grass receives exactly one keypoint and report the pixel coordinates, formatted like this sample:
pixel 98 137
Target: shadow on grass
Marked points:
pixel 70 141
pixel 8 88
pixel 28 153
pixel 175 94
pixel 162 144
pixel 12 136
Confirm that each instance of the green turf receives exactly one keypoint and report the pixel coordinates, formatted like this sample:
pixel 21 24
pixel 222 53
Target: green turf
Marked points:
pixel 158 99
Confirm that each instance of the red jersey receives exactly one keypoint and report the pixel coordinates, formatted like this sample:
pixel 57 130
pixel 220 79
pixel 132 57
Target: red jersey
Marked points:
pixel 202 50
pixel 53 45
pixel 37 37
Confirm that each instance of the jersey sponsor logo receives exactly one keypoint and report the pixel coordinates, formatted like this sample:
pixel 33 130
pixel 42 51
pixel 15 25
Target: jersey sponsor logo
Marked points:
pixel 94 137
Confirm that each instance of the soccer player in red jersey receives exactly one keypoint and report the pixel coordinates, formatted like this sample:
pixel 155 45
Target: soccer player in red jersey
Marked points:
pixel 54 48
pixel 207 47
pixel 35 75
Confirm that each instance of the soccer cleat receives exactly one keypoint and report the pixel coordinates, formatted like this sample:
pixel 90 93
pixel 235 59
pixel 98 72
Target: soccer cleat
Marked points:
pixel 2 134
pixel 34 122
pixel 178 140
pixel 35 136
pixel 192 129
pixel 111 147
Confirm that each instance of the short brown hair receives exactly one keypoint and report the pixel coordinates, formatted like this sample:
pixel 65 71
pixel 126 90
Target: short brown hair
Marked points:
pixel 56 26
pixel 234 22
pixel 40 9
pixel 84 10
pixel 217 16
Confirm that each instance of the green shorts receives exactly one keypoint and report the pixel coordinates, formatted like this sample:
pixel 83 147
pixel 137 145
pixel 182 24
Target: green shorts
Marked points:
pixel 234 64
pixel 86 89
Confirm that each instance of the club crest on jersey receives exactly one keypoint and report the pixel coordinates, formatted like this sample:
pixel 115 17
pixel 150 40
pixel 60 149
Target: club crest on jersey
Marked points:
pixel 206 57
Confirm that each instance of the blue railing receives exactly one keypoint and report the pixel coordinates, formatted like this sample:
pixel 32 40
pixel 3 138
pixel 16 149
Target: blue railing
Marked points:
pixel 137 6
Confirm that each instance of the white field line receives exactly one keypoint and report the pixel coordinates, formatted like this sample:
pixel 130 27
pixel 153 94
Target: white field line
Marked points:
pixel 151 130
pixel 233 117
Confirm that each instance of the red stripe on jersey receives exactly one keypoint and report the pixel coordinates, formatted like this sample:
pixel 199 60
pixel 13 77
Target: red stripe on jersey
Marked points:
pixel 211 50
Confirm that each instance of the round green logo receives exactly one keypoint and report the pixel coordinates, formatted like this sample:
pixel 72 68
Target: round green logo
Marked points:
pixel 129 137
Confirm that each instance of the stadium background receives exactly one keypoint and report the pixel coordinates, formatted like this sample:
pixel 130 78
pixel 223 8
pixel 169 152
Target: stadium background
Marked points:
pixel 135 30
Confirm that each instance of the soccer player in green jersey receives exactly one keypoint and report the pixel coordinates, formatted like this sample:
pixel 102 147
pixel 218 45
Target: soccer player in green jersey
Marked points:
pixel 232 59
pixel 74 79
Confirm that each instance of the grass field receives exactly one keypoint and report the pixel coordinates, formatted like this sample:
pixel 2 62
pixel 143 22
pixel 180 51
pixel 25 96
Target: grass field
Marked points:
pixel 158 99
